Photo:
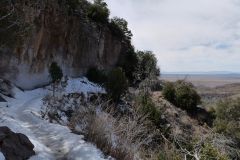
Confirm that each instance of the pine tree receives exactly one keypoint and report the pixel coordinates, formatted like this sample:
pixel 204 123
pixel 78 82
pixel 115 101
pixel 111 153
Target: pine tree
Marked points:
pixel 56 75
pixel 117 84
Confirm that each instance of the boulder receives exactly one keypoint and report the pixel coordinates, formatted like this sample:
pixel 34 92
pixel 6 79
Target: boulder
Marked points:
pixel 15 146
pixel 6 88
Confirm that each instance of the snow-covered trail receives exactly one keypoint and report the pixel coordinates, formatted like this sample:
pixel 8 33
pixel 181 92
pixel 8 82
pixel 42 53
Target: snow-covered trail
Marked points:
pixel 44 132
pixel 51 141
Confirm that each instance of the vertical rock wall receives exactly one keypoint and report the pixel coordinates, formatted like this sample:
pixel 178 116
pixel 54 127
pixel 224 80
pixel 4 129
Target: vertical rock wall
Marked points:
pixel 74 42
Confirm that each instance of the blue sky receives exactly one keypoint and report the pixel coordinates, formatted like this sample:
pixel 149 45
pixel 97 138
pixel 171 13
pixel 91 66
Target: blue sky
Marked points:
pixel 185 35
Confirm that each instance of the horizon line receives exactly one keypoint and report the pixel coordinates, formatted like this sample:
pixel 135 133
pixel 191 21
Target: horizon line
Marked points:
pixel 199 72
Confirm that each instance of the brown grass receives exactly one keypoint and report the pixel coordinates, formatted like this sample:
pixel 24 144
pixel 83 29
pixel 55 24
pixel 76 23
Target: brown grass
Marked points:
pixel 120 137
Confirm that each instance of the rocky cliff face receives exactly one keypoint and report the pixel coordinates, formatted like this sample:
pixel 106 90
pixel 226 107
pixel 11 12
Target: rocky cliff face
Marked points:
pixel 73 41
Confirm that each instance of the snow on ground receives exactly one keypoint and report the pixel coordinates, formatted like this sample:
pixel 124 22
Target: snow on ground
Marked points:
pixel 2 156
pixel 83 85
pixel 51 141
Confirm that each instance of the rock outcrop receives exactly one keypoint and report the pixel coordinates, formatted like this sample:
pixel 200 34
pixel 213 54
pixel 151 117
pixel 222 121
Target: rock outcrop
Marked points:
pixel 71 39
pixel 6 88
pixel 15 146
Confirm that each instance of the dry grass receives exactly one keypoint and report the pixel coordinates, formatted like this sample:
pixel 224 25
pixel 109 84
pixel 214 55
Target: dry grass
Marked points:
pixel 123 138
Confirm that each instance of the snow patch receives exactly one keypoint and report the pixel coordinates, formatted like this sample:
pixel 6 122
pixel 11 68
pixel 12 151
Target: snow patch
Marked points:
pixel 83 85
pixel 2 156
pixel 51 141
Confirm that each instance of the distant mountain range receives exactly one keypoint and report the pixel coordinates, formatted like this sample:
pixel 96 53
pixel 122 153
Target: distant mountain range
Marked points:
pixel 203 73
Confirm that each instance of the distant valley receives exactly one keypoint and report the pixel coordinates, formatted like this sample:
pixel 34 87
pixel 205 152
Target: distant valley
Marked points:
pixel 211 87
pixel 204 79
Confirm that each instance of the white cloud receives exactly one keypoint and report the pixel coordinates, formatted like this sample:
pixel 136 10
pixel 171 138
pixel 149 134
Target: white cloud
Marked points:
pixel 186 35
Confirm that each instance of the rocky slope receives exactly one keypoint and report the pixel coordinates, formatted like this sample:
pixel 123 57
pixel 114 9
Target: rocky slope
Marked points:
pixel 178 121
pixel 53 34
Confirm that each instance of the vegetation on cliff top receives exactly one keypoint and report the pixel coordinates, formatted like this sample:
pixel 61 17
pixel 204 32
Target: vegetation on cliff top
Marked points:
pixel 13 27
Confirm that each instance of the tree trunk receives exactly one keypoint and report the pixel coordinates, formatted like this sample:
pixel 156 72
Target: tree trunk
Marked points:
pixel 54 90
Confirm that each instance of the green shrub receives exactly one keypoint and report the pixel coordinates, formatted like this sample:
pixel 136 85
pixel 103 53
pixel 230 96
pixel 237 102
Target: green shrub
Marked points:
pixel 186 96
pixel 115 29
pixel 209 152
pixel 147 65
pixel 56 75
pixel 227 118
pixel 117 84
pixel 156 85
pixel 55 72
pixel 169 92
pixel 169 155
pixel 182 94
pixel 129 63
pixel 99 12
pixel 96 76
pixel 149 108
pixel 150 85
pixel 139 66
pixel 119 27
